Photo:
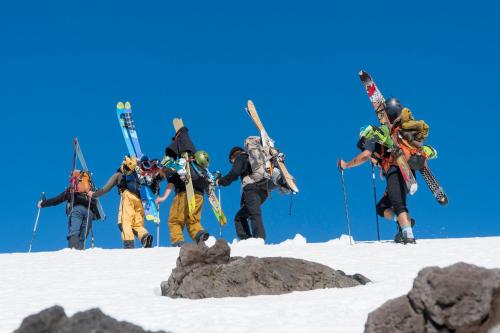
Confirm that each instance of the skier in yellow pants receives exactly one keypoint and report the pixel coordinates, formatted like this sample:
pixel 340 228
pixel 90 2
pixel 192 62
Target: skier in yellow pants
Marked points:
pixel 131 211
pixel 179 212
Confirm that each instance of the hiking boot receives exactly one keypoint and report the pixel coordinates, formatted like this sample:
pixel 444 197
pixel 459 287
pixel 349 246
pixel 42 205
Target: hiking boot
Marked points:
pixel 408 240
pixel 399 237
pixel 201 236
pixel 128 244
pixel 147 241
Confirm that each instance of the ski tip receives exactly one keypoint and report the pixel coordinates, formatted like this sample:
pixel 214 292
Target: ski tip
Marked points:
pixel 413 188
pixel 127 105
pixel 362 74
pixel 120 106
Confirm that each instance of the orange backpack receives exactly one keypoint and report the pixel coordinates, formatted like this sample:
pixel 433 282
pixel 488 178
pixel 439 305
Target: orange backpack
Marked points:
pixel 80 181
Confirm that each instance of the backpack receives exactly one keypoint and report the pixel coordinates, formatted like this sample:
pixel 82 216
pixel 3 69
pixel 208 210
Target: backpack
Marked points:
pixel 413 131
pixel 259 160
pixel 80 182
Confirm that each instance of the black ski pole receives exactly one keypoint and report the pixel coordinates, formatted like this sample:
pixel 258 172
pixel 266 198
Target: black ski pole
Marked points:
pixel 158 228
pixel 36 223
pixel 220 204
pixel 375 198
pixel 87 224
pixel 345 203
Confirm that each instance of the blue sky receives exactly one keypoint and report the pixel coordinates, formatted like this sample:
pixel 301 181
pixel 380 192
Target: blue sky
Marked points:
pixel 64 65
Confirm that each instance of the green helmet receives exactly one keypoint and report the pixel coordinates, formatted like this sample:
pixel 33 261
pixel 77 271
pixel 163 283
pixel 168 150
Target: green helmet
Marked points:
pixel 202 158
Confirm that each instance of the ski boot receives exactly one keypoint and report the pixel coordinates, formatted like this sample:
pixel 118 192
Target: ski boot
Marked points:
pixel 399 238
pixel 201 236
pixel 147 241
pixel 178 244
pixel 128 244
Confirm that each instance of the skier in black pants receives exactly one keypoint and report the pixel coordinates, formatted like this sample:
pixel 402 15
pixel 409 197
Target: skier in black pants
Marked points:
pixel 254 194
pixel 393 203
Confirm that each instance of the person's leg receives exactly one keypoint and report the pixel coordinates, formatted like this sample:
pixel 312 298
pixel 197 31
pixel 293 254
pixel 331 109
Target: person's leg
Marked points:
pixel 138 228
pixel 125 220
pixel 396 190
pixel 75 233
pixel 194 227
pixel 178 212
pixel 254 198
pixel 241 220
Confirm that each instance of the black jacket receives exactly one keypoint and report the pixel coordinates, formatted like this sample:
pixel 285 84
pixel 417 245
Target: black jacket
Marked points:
pixel 78 199
pixel 241 168
pixel 181 143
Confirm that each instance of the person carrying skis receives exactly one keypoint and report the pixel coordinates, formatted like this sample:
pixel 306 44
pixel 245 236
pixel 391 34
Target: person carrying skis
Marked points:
pixel 256 187
pixel 372 143
pixel 131 211
pixel 180 216
pixel 78 209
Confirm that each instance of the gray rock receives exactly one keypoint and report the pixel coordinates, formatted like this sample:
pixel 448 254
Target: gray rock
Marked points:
pixel 203 272
pixel 54 320
pixel 459 298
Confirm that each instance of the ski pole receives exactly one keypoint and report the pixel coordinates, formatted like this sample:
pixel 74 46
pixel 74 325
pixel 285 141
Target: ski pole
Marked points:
pixel 220 204
pixel 345 203
pixel 158 229
pixel 87 224
pixel 375 198
pixel 36 223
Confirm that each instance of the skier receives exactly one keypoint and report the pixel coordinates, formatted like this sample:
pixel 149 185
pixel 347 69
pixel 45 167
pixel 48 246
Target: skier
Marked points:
pixel 256 187
pixel 131 211
pixel 393 203
pixel 180 216
pixel 77 208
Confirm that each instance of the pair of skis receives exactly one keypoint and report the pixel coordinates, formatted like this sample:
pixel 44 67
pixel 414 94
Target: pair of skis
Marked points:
pixel 378 103
pixel 268 144
pixel 124 113
pixel 212 198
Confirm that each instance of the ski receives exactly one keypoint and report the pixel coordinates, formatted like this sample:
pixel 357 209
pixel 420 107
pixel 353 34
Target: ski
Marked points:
pixel 124 113
pixel 268 143
pixel 378 102
pixel 178 124
pixel 83 163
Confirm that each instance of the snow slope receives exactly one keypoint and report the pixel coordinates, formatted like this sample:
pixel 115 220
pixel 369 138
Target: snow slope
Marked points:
pixel 126 285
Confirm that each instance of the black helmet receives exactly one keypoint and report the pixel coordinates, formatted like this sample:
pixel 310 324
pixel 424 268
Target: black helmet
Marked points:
pixel 233 151
pixel 393 108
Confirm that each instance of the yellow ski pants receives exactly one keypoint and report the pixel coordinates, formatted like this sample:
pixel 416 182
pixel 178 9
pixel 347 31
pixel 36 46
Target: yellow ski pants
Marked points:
pixel 131 217
pixel 180 217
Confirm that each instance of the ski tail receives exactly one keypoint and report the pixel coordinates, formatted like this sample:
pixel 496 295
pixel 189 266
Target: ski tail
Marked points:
pixel 436 189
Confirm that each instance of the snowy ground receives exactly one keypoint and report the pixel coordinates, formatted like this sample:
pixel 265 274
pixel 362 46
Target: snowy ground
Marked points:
pixel 126 285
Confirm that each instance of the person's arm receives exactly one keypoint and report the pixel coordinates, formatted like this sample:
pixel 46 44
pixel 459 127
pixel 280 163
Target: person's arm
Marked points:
pixel 165 195
pixel 112 181
pixel 358 160
pixel 238 168
pixel 54 201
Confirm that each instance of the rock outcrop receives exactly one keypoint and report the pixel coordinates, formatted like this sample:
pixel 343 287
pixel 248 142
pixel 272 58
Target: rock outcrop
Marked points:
pixel 54 320
pixel 203 272
pixel 459 298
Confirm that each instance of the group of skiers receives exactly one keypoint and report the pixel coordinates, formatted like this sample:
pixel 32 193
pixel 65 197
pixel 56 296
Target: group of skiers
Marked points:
pixel 81 200
pixel 183 165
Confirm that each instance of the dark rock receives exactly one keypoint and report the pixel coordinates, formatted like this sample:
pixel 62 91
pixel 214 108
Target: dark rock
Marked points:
pixel 43 322
pixel 459 298
pixel 203 272
pixel 54 320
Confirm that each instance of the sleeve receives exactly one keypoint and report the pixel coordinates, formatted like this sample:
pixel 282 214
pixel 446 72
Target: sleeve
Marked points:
pixel 55 200
pixel 236 171
pixel 370 146
pixel 112 181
